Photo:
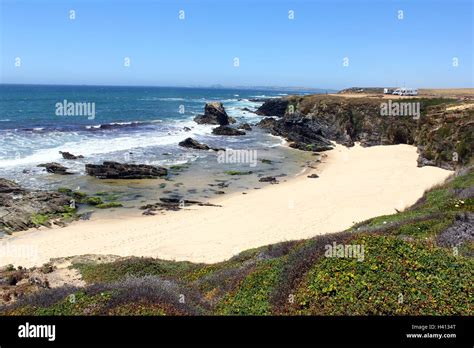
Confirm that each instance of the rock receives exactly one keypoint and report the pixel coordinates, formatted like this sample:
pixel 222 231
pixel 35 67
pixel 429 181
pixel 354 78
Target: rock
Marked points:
pixel 270 179
pixel 116 170
pixel 148 212
pixel 219 192
pixel 313 176
pixel 172 203
pixel 258 100
pixel 214 113
pixel 267 123
pixel 19 206
pixel 224 130
pixel 186 129
pixel 8 186
pixel 55 168
pixel 193 144
pixel 302 132
pixel 244 126
pixel 273 107
pixel 248 110
pixel 70 156
pixel 460 232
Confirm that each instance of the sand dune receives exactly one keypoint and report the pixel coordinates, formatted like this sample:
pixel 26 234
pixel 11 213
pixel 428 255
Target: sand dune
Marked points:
pixel 354 184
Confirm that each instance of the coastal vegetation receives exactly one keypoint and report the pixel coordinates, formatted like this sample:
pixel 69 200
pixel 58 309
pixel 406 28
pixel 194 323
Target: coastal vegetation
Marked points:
pixel 416 262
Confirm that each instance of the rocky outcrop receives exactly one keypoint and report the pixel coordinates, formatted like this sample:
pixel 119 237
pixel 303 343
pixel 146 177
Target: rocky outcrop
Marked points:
pixel 224 130
pixel 273 107
pixel 446 138
pixel 214 113
pixel 70 156
pixel 55 168
pixel 460 232
pixel 303 133
pixel 267 123
pixel 21 209
pixel 443 134
pixel 116 170
pixel 190 143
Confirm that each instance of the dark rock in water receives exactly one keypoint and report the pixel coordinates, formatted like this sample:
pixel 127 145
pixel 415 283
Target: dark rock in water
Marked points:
pixel 70 156
pixel 258 100
pixel 224 130
pixel 267 123
pixel 248 110
pixel 460 232
pixel 186 129
pixel 219 192
pixel 271 179
pixel 55 168
pixel 193 144
pixel 244 126
pixel 115 170
pixel 313 176
pixel 19 207
pixel 214 113
pixel 273 107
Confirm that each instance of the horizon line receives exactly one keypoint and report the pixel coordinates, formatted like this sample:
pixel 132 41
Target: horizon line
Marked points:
pixel 216 86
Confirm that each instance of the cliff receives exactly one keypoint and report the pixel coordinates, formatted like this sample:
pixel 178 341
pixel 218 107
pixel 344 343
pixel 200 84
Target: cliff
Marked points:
pixel 443 130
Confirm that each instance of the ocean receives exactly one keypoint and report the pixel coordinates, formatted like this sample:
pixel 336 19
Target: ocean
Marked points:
pixel 130 125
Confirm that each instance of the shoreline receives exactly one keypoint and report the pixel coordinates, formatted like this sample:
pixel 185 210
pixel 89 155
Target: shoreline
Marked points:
pixel 354 184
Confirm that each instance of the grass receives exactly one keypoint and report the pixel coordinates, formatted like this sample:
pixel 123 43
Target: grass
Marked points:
pixel 112 272
pixel 39 219
pixel 108 205
pixel 396 277
pixel 252 297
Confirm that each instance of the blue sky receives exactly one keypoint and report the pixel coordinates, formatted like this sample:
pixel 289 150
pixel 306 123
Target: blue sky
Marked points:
pixel 273 50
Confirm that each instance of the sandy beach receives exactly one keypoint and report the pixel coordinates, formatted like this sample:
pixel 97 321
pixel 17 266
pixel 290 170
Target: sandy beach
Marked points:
pixel 354 184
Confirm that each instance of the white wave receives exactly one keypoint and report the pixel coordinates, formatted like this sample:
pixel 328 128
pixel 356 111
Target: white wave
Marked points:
pixel 87 145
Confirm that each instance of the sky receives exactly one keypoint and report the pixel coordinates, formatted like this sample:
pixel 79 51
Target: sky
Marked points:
pixel 325 44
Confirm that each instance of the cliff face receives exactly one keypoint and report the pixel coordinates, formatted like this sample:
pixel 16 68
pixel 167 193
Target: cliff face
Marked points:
pixel 443 135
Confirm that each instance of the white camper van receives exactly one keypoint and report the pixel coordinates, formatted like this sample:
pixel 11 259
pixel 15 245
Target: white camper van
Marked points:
pixel 406 91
